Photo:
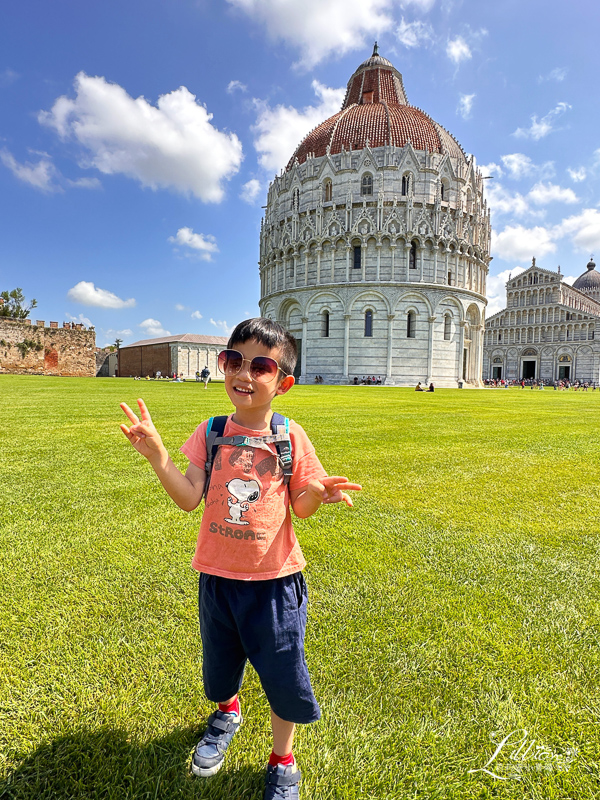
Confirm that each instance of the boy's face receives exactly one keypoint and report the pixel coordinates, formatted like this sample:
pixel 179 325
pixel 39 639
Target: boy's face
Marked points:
pixel 248 394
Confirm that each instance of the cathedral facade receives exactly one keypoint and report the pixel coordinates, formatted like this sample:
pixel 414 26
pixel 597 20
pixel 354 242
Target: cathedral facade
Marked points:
pixel 374 248
pixel 549 331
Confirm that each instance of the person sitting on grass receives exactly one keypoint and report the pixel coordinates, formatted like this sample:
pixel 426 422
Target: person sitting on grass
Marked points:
pixel 252 594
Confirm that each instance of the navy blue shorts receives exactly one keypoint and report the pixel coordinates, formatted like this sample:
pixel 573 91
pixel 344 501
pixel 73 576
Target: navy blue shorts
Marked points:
pixel 263 622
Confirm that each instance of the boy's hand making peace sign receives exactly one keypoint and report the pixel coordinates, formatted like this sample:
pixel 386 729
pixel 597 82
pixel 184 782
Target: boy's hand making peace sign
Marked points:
pixel 142 434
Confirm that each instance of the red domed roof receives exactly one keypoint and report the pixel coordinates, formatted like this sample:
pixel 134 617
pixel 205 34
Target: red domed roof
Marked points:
pixel 376 111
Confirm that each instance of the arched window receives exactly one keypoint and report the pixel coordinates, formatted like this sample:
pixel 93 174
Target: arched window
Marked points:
pixel 449 278
pixel 295 199
pixel 405 185
pixel 411 325
pixel 412 258
pixel 327 191
pixel 366 185
pixel 445 190
pixel 357 257
pixel 368 323
pixel 325 324
pixel 442 191
pixel 447 327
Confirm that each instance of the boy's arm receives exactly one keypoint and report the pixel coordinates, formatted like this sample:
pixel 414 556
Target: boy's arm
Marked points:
pixel 186 490
pixel 306 500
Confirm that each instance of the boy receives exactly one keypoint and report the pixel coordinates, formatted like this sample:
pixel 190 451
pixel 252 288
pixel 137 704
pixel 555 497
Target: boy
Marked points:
pixel 252 595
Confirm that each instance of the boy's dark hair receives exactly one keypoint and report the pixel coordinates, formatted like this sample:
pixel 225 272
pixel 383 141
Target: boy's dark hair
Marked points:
pixel 270 334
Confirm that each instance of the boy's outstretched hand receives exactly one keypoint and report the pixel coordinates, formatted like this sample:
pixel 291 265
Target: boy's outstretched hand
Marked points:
pixel 333 490
pixel 142 434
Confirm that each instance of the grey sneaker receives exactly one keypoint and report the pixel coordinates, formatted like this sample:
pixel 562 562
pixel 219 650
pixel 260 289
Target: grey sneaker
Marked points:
pixel 282 782
pixel 210 750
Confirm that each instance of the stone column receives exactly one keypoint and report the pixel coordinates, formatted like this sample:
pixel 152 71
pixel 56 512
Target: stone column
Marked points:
pixel 393 252
pixel 295 257
pixel 363 261
pixel 304 348
pixel 333 262
pixel 348 248
pixel 407 246
pixel 461 349
pixel 431 321
pixel 346 344
pixel 391 318
pixel 435 263
pixel 319 251
pixel 378 246
pixel 306 267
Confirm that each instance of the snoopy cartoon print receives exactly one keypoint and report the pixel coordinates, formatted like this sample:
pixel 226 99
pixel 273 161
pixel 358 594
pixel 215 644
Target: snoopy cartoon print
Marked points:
pixel 242 494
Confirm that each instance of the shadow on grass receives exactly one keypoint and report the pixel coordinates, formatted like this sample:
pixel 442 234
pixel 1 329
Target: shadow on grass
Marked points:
pixel 105 763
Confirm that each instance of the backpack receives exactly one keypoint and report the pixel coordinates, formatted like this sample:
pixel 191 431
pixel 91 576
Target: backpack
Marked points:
pixel 280 437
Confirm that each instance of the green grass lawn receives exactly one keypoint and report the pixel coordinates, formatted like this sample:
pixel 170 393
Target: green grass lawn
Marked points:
pixel 457 603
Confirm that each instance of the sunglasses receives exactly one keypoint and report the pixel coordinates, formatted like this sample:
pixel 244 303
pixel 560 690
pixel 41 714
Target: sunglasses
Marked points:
pixel 262 368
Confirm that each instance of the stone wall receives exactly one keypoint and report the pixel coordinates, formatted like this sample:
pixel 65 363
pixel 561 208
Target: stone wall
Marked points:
pixel 40 350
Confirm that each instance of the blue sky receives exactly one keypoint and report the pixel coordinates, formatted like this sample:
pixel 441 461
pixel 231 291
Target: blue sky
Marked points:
pixel 137 139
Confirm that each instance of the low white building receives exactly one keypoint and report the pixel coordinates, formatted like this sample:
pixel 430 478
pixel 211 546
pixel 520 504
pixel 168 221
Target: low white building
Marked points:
pixel 183 355
pixel 548 331
pixel 375 243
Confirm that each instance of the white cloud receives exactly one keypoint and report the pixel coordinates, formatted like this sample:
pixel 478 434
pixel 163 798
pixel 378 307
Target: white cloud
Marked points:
pixel 518 165
pixel 152 327
pixel 577 175
pixel 250 191
pixel 204 245
pixel 81 318
pixel 542 127
pixel 543 193
pixel 583 229
pixel 110 332
pixel 516 243
pixel 171 145
pixel 85 183
pixel 278 131
pixel 496 289
pixel 234 86
pixel 558 74
pixel 501 201
pixel 320 28
pixel 422 5
pixel 85 292
pixel 8 77
pixel 458 50
pixel 196 315
pixel 41 175
pixel 414 34
pixel 491 170
pixel 222 325
pixel 465 105
pixel 179 307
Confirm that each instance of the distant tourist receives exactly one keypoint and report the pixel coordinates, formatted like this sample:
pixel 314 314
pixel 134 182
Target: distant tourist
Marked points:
pixel 431 388
pixel 205 375
pixel 419 388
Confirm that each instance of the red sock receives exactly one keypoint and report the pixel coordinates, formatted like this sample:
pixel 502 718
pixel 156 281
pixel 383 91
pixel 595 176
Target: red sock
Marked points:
pixel 274 759
pixel 228 708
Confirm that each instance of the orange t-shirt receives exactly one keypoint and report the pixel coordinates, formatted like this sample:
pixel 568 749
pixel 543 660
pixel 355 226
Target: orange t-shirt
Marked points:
pixel 246 531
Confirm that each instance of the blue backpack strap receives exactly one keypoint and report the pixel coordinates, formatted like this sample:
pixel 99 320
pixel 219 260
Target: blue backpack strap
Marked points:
pixel 214 431
pixel 284 449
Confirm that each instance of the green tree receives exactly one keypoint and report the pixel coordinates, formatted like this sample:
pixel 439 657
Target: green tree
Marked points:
pixel 13 305
pixel 118 343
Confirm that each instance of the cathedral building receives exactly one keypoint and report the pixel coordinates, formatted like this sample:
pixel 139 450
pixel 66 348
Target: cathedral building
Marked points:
pixel 549 331
pixel 374 247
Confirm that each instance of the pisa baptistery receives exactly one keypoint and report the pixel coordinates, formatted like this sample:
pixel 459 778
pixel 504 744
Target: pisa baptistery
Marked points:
pixel 374 247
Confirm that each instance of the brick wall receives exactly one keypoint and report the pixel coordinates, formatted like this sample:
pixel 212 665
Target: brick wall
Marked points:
pixel 66 351
pixel 145 360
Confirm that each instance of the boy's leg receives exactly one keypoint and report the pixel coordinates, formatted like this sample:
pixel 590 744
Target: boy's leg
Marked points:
pixel 283 735
pixel 223 667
